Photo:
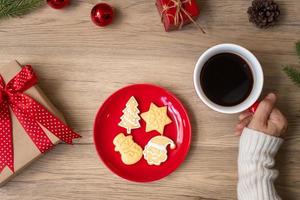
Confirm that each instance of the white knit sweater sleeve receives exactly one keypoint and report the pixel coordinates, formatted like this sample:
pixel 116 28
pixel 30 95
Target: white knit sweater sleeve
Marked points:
pixel 255 166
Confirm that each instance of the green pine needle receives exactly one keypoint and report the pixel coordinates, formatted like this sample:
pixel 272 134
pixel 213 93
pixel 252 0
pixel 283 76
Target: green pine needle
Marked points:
pixel 14 8
pixel 293 74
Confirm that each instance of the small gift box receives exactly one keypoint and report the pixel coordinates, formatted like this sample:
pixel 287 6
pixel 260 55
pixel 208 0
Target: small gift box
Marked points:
pixel 29 124
pixel 177 13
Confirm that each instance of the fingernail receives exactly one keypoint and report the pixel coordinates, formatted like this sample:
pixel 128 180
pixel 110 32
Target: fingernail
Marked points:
pixel 271 96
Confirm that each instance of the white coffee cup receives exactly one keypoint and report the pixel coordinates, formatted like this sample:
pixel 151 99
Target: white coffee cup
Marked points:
pixel 257 73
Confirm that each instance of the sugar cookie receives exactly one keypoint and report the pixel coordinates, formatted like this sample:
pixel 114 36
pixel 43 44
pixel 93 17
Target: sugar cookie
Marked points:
pixel 130 151
pixel 156 118
pixel 130 118
pixel 155 151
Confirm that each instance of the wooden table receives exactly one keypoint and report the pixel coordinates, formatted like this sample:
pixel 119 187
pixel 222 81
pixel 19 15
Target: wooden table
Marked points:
pixel 80 65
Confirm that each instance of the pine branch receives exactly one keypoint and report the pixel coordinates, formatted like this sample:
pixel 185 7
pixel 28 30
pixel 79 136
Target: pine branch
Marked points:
pixel 293 74
pixel 14 8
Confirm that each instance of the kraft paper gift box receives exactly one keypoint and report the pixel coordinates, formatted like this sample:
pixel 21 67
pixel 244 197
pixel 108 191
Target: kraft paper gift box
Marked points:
pixel 25 151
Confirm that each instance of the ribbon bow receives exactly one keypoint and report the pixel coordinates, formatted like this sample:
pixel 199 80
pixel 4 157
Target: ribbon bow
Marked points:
pixel 178 16
pixel 30 114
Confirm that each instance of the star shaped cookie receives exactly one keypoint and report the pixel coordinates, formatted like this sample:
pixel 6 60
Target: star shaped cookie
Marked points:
pixel 156 118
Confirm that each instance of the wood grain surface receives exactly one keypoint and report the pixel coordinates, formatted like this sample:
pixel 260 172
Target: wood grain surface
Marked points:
pixel 80 65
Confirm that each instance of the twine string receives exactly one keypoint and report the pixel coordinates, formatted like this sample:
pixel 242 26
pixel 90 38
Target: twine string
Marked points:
pixel 178 16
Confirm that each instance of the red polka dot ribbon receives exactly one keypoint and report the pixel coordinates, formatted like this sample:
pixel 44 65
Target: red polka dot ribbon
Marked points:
pixel 31 116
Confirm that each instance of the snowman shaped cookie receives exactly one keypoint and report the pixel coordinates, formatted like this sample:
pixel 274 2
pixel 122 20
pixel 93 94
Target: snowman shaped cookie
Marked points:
pixel 130 151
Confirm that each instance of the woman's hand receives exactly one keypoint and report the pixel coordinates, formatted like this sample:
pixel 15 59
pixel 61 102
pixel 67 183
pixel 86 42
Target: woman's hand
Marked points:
pixel 267 119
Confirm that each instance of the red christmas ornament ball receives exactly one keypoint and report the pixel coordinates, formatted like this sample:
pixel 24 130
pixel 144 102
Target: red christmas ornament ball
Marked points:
pixel 102 14
pixel 58 4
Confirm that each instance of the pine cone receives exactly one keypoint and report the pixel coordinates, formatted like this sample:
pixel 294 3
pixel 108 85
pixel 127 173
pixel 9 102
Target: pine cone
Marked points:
pixel 264 13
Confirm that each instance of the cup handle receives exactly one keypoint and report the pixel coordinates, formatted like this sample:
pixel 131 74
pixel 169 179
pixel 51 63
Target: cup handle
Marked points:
pixel 253 108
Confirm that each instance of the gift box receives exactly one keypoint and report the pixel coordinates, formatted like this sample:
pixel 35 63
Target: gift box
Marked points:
pixel 177 13
pixel 23 110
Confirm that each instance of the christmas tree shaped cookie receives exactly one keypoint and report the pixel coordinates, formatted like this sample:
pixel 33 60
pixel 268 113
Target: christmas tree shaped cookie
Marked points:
pixel 156 118
pixel 130 118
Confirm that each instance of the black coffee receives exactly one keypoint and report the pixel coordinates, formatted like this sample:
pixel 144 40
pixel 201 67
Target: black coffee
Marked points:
pixel 226 79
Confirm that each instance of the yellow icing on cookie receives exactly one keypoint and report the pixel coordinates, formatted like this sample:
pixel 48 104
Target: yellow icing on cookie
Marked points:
pixel 130 151
pixel 156 118
pixel 130 118
pixel 155 151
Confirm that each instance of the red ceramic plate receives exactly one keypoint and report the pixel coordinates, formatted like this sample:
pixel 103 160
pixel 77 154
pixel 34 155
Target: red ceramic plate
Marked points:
pixel 106 128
